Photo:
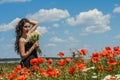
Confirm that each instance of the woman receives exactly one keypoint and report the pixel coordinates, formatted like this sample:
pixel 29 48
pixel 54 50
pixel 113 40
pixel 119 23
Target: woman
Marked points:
pixel 22 45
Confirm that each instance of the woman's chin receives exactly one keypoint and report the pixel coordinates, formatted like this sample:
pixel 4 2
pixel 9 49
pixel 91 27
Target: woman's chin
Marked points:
pixel 27 31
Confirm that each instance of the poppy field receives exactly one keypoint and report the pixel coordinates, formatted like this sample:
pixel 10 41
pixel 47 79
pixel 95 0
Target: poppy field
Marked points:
pixel 102 65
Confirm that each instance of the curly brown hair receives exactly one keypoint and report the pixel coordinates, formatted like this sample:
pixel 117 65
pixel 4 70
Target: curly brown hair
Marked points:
pixel 18 32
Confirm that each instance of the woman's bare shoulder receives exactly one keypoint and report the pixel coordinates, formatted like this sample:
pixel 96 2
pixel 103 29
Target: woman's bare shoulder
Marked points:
pixel 22 40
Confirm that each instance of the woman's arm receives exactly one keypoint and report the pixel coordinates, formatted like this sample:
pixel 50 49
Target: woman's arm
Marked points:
pixel 34 25
pixel 22 48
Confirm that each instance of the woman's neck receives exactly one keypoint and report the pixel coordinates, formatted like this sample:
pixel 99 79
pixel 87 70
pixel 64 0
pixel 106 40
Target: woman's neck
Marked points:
pixel 24 36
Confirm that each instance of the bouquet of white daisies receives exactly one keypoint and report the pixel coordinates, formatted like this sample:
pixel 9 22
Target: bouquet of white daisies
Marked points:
pixel 33 37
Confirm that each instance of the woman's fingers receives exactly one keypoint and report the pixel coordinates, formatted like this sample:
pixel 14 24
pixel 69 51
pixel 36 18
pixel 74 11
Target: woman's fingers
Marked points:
pixel 37 43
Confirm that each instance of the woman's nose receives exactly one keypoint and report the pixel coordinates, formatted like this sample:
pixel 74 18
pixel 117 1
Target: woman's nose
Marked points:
pixel 28 28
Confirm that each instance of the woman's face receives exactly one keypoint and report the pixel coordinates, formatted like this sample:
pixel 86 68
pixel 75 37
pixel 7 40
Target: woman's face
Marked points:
pixel 26 27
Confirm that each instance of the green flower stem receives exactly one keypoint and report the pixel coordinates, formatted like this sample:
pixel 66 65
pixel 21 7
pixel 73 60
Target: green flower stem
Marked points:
pixel 39 50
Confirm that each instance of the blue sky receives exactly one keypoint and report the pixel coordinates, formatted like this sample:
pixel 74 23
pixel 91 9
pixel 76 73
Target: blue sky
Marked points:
pixel 64 24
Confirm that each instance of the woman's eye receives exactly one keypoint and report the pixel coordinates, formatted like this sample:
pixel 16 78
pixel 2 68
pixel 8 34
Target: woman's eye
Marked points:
pixel 26 26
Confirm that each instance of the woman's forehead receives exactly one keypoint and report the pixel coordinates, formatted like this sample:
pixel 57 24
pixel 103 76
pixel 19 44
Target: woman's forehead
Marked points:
pixel 26 24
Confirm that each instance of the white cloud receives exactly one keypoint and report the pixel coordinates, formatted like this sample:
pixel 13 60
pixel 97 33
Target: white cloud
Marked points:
pixel 93 21
pixel 10 1
pixel 50 15
pixel 42 29
pixel 66 32
pixel 87 46
pixel 117 37
pixel 55 25
pixel 12 25
pixel 42 16
pixel 97 29
pixel 72 40
pixel 117 10
pixel 9 26
pixel 51 45
pixel 56 39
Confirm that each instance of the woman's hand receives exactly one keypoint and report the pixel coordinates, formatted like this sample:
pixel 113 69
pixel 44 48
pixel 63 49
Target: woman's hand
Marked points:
pixel 34 25
pixel 36 44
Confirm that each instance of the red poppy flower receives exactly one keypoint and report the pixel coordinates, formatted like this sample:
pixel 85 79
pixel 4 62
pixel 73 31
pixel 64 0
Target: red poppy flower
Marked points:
pixel 35 67
pixel 112 62
pixel 61 54
pixel 34 61
pixel 80 65
pixel 95 57
pixel 68 60
pixel 41 60
pixel 50 61
pixel 51 72
pixel 61 62
pixel 11 76
pixel 110 68
pixel 17 69
pixel 104 53
pixel 71 70
pixel 116 48
pixel 83 51
pixel 112 78
pixel 40 71
pixel 108 49
pixel 25 70
pixel 99 67
pixel 22 77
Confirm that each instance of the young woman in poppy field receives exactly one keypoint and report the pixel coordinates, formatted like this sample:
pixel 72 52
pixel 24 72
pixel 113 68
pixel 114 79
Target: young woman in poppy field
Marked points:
pixel 23 46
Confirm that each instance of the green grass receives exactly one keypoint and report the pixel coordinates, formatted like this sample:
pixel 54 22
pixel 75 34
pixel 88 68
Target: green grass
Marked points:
pixel 7 67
